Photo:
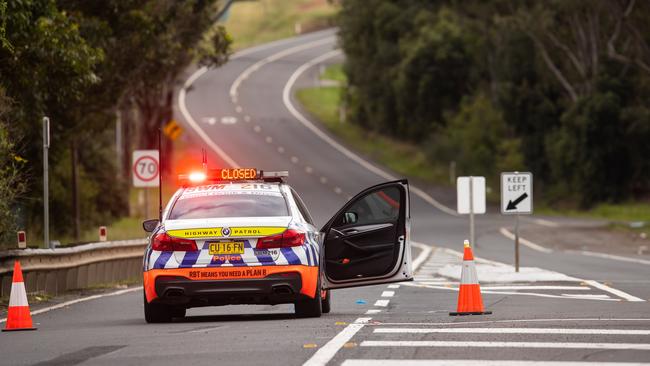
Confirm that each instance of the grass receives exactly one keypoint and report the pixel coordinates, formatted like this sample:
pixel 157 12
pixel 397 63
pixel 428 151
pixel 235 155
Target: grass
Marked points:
pixel 255 22
pixel 621 213
pixel 403 158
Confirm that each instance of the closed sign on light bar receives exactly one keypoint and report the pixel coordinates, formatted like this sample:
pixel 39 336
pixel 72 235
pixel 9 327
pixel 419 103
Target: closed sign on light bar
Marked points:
pixel 237 173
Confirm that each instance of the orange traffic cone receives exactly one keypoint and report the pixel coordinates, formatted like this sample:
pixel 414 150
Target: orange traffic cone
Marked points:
pixel 469 295
pixel 18 316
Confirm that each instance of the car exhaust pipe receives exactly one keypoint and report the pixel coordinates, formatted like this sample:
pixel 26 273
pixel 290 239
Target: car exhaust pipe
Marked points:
pixel 174 293
pixel 282 290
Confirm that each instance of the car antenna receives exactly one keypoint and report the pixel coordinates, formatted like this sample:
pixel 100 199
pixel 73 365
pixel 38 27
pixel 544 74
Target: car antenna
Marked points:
pixel 204 162
pixel 160 209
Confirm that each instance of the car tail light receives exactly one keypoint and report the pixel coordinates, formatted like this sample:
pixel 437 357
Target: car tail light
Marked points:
pixel 164 242
pixel 289 238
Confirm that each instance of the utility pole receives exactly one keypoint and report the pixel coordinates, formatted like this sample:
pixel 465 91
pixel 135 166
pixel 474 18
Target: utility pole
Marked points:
pixel 46 198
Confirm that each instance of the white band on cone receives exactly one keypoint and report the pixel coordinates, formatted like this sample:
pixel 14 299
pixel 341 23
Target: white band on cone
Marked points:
pixel 18 295
pixel 468 275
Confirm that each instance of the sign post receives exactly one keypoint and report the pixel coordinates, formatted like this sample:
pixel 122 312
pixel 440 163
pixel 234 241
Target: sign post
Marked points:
pixel 516 199
pixel 46 198
pixel 471 200
pixel 145 171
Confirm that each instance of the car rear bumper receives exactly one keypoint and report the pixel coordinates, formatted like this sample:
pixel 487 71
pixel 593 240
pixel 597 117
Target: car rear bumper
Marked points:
pixel 193 287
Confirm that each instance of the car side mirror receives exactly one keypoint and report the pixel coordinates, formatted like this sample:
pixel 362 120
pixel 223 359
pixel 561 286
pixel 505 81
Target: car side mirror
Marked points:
pixel 350 218
pixel 150 225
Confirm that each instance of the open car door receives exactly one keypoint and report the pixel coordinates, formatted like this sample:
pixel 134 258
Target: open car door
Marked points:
pixel 367 241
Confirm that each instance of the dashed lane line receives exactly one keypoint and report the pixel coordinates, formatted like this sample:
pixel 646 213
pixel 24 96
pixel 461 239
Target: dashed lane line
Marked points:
pixel 382 303
pixel 327 352
pixel 373 311
pixel 388 294
pixel 286 98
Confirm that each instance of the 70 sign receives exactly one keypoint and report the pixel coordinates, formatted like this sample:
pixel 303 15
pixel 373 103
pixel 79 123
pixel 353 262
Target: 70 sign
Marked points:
pixel 145 168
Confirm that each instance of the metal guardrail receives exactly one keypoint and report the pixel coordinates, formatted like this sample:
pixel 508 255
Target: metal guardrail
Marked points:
pixel 56 270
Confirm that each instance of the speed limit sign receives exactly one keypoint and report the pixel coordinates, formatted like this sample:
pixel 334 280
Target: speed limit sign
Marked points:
pixel 145 168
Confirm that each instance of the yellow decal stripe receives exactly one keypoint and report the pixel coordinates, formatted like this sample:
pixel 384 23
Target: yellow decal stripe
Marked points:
pixel 236 232
pixel 256 231
pixel 195 233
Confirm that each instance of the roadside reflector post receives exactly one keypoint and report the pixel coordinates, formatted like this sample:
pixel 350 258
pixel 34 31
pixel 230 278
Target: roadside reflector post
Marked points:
pixel 471 200
pixel 516 199
pixel 103 234
pixel 46 203
pixel 22 239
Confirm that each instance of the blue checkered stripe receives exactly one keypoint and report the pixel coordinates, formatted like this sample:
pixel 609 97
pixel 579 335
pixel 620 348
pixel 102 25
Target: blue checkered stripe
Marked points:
pixel 307 254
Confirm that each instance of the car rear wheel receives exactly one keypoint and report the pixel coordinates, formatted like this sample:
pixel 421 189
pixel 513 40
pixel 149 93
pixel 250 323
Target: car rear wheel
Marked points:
pixel 158 313
pixel 309 308
pixel 325 303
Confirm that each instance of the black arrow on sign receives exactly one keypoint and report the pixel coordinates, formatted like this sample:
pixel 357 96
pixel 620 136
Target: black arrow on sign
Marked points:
pixel 513 205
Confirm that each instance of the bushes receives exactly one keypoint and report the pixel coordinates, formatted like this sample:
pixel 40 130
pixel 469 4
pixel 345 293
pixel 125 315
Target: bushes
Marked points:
pixel 504 85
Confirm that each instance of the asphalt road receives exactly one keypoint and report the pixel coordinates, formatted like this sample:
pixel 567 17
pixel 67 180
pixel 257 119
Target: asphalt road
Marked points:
pixel 238 112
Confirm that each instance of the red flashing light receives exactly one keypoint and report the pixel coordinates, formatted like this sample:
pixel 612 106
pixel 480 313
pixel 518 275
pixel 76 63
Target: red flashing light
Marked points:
pixel 166 243
pixel 289 238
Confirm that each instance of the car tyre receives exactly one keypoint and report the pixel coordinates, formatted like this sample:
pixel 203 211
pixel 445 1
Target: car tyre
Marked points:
pixel 310 308
pixel 325 306
pixel 157 313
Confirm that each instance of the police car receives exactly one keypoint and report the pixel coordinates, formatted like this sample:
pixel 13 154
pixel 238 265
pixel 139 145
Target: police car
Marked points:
pixel 243 236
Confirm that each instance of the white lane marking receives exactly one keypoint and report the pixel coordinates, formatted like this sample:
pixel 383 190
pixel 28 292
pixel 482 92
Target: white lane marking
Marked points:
pixel 437 362
pixel 327 352
pixel 610 256
pixel 475 344
pixel 238 109
pixel 587 296
pixel 516 331
pixel 541 222
pixel 294 159
pixel 521 321
pixel 382 303
pixel 337 190
pixel 278 55
pixel 76 301
pixel 388 294
pixel 323 180
pixel 195 126
pixel 257 129
pixel 510 293
pixel 309 170
pixel 373 311
pixel 182 105
pixel 534 287
pixel 286 98
pixel 247 118
pixel 393 286
pixel 614 291
pixel 228 120
pixel 424 254
pixel 505 232
pixel 268 139
pixel 281 149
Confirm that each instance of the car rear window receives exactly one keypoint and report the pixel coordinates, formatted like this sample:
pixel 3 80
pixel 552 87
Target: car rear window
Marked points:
pixel 250 204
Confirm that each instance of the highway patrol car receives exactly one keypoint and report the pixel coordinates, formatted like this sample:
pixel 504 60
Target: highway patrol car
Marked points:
pixel 242 236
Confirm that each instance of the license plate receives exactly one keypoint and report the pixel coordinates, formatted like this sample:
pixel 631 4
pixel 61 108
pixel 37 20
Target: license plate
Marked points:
pixel 227 247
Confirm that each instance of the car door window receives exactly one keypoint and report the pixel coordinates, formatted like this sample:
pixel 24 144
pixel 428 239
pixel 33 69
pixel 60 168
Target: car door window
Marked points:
pixel 363 238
